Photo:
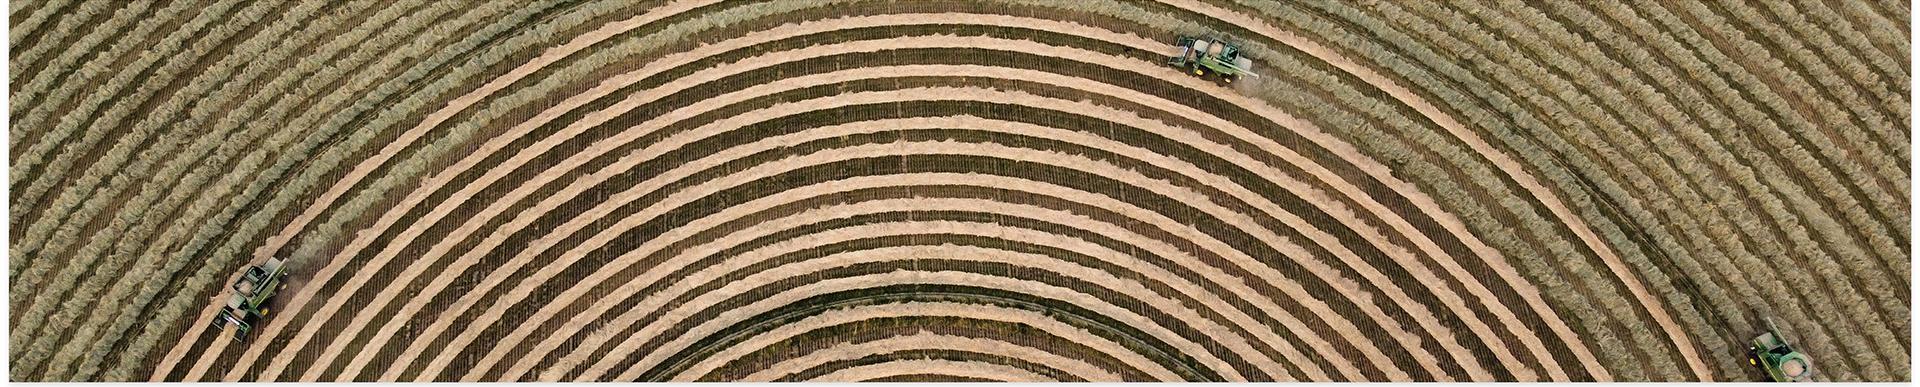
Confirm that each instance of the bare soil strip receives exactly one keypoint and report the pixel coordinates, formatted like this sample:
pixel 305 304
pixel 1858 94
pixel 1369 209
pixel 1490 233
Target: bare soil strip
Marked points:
pixel 1513 168
pixel 730 317
pixel 977 370
pixel 684 196
pixel 922 340
pixel 1160 248
pixel 453 107
pixel 712 363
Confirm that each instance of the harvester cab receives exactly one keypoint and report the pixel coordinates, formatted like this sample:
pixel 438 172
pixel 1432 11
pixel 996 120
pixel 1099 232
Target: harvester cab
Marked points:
pixel 250 295
pixel 1777 359
pixel 1210 55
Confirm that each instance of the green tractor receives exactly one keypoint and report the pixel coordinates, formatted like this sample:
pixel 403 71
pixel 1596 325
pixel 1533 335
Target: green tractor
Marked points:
pixel 250 294
pixel 1211 55
pixel 1778 360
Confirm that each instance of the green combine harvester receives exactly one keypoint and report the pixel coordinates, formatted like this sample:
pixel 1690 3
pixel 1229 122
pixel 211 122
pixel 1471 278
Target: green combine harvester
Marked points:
pixel 1211 55
pixel 250 294
pixel 1778 360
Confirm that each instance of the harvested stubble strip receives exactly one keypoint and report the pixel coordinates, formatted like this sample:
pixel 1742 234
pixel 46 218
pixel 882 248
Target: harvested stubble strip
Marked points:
pixel 787 295
pixel 520 332
pixel 283 194
pixel 130 89
pixel 921 340
pixel 1106 285
pixel 1468 207
pixel 452 108
pixel 971 311
pixel 391 177
pixel 1658 190
pixel 327 274
pixel 432 329
pixel 298 223
pixel 249 114
pixel 1582 202
pixel 1404 94
pixel 1108 292
pixel 762 229
pixel 192 185
pixel 1634 286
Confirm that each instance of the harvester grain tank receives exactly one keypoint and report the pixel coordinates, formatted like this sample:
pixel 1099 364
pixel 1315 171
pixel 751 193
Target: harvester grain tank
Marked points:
pixel 1210 55
pixel 250 295
pixel 1777 359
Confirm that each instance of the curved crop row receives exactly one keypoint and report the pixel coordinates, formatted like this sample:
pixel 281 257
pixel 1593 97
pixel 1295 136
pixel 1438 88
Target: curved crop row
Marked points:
pixel 959 190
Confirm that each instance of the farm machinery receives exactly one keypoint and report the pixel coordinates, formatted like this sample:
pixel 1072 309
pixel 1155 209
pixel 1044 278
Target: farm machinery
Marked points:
pixel 1778 360
pixel 1211 55
pixel 250 294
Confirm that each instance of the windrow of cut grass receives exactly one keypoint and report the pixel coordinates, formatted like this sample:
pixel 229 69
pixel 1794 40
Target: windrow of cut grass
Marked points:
pixel 1443 63
pixel 28 16
pixel 56 40
pixel 127 177
pixel 1414 169
pixel 369 91
pixel 885 206
pixel 700 190
pixel 1557 108
pixel 64 126
pixel 165 216
pixel 182 53
pixel 1411 167
pixel 1655 192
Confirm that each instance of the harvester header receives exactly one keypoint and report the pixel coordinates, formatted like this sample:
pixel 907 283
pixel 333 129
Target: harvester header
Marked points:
pixel 1210 55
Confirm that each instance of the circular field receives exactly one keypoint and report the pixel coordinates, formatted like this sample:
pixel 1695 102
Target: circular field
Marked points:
pixel 1006 190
